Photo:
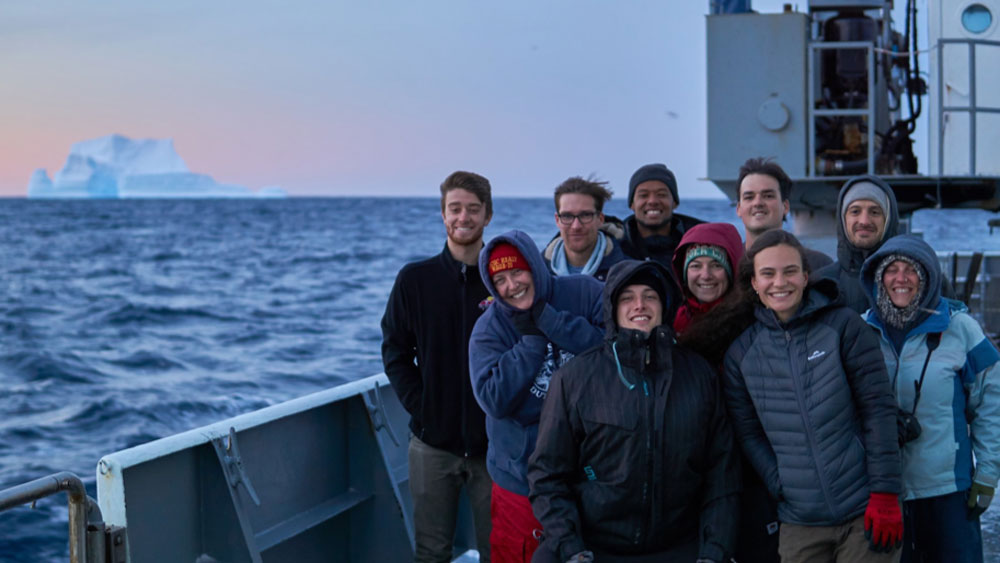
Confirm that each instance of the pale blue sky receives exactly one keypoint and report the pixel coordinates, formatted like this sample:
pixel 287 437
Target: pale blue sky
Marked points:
pixel 326 98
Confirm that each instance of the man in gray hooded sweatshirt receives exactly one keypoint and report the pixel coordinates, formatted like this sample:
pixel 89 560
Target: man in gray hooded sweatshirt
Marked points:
pixel 868 215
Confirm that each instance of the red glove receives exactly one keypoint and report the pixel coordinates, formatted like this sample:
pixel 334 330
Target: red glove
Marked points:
pixel 884 522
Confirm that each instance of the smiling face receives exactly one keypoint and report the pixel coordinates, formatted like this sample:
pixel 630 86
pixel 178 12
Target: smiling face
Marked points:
pixel 706 279
pixel 779 279
pixel 516 287
pixel 639 308
pixel 901 282
pixel 464 217
pixel 653 205
pixel 759 204
pixel 864 223
pixel 579 237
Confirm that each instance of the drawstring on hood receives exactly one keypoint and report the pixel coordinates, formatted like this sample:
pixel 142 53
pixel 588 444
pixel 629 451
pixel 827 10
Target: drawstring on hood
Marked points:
pixel 618 364
pixel 639 349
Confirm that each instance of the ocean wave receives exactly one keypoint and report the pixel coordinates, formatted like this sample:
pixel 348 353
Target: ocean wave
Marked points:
pixel 140 314
pixel 146 360
pixel 42 365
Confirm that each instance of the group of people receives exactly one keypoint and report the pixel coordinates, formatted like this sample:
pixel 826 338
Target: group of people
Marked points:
pixel 658 389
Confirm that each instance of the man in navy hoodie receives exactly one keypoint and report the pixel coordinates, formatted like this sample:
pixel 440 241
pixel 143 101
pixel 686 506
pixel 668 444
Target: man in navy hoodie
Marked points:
pixel 428 319
pixel 536 323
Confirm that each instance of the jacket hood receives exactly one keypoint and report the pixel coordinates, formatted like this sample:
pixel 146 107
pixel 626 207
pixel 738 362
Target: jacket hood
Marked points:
pixel 619 277
pixel 850 256
pixel 914 248
pixel 723 235
pixel 540 274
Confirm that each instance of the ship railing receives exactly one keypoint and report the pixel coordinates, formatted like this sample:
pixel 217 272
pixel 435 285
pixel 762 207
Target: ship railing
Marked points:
pixel 90 540
pixel 317 478
pixel 979 274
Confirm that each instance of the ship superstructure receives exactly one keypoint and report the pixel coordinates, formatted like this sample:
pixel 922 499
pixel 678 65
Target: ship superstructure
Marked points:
pixel 842 90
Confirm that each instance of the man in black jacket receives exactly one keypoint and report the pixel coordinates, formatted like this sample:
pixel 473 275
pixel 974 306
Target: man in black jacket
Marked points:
pixel 425 340
pixel 653 231
pixel 635 459
pixel 867 216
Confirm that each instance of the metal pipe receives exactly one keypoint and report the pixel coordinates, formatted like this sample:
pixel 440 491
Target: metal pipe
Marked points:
pixel 871 107
pixel 972 108
pixel 810 113
pixel 47 486
pixel 940 108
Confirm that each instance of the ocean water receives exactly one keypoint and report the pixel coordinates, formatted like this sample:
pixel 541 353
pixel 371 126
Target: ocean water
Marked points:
pixel 126 321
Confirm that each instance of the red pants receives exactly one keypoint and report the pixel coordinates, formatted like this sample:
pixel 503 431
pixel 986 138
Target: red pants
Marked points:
pixel 515 533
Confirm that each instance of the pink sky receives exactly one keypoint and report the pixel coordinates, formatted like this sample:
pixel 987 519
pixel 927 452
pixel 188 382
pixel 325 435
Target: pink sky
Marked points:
pixel 363 99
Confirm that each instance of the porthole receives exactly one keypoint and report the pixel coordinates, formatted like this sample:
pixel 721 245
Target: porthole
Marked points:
pixel 976 18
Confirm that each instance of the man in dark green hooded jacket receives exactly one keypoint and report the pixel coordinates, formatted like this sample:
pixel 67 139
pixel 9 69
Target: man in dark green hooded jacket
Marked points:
pixel 868 215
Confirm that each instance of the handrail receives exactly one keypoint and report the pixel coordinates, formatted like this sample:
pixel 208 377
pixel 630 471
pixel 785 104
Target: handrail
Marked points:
pixel 79 504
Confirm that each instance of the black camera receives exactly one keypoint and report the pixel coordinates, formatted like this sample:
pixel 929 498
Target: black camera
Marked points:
pixel 907 426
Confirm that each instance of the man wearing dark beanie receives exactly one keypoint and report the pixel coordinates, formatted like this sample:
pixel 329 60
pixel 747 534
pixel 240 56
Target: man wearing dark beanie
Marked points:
pixel 653 230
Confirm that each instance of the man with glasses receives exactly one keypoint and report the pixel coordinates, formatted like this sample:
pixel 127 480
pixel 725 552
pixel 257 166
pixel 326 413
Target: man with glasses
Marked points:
pixel 586 244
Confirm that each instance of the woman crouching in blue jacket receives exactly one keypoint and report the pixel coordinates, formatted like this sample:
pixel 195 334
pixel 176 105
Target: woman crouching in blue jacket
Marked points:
pixel 809 399
pixel 535 324
pixel 945 374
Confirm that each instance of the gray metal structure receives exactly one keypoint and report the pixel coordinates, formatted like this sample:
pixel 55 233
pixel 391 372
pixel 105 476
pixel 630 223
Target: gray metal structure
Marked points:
pixel 764 83
pixel 319 478
pixel 756 93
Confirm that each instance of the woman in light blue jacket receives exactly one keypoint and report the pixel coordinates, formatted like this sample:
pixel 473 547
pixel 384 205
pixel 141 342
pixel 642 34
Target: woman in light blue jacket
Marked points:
pixel 946 376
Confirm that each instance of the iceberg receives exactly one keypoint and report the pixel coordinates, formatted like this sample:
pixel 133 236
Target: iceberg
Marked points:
pixel 116 166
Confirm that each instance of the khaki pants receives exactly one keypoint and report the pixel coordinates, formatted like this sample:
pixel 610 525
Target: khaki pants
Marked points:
pixel 845 543
pixel 436 479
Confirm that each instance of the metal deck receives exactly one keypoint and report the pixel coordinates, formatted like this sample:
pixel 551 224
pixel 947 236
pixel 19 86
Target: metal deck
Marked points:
pixel 318 478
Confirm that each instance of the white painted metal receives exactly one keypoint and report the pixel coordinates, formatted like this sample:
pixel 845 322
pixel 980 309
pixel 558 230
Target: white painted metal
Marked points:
pixel 963 142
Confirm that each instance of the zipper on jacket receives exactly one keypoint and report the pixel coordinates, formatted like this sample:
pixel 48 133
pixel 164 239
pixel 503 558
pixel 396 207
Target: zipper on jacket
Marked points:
pixel 465 358
pixel 650 425
pixel 810 431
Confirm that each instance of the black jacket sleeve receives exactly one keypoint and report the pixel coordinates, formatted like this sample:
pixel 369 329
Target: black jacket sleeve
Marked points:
pixel 873 399
pixel 399 349
pixel 551 471
pixel 720 503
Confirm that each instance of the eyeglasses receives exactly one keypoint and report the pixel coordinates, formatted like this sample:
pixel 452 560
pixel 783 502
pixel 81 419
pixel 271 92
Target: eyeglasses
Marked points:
pixel 585 218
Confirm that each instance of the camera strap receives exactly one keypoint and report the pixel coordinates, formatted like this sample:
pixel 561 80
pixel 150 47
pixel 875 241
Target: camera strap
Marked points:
pixel 933 339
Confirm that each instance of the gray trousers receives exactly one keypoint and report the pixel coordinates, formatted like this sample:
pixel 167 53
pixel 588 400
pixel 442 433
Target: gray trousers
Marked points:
pixel 436 479
pixel 845 543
